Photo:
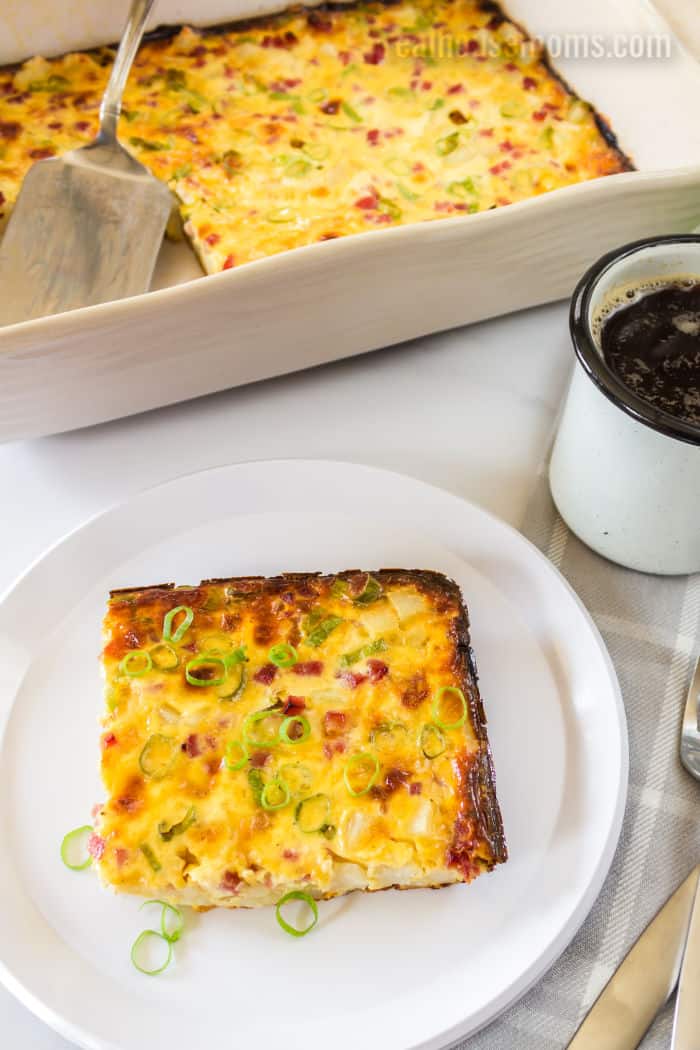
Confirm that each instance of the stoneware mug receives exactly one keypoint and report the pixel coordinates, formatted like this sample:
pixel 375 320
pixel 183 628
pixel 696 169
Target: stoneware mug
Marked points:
pixel 625 476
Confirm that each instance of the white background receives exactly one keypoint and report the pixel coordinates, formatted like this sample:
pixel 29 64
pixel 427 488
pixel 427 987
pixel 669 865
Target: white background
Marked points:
pixel 471 410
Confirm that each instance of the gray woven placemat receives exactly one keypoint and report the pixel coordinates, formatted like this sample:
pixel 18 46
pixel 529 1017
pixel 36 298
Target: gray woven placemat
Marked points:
pixel 651 626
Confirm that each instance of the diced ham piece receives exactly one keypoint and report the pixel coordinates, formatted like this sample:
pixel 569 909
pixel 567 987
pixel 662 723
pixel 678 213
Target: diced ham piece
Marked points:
pixel 308 667
pixel 377 670
pixel 352 678
pixel 376 55
pixel 95 846
pixel 259 758
pixel 108 740
pixel 293 705
pixel 230 882
pixel 415 789
pixel 121 856
pixel 266 674
pixel 334 723
pixel 191 746
pixel 290 854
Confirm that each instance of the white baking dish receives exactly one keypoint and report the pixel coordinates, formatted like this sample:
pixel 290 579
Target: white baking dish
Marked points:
pixel 193 335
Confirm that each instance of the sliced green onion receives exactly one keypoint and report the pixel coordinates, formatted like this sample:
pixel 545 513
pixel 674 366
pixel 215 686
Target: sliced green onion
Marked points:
pixel 350 112
pixel 297 895
pixel 402 92
pixel 164 657
pixel 298 168
pixel 321 632
pixel 514 109
pixel 362 761
pixel 67 844
pixel 158 756
pixel 311 814
pixel 390 208
pixel 236 755
pixel 388 736
pixel 135 948
pixel 438 104
pixel 251 720
pixel 178 634
pixel 237 681
pixel 407 194
pixel 365 651
pixel 371 591
pixel 147 144
pixel 136 663
pixel 298 778
pixel 447 144
pixel 299 720
pixel 236 656
pixel 274 795
pixel 150 856
pixel 256 784
pixel 317 95
pixel 447 694
pixel 168 832
pixel 205 660
pixel 352 68
pixel 316 150
pixel 175 934
pixel 463 189
pixel 339 588
pixel 432 740
pixel 283 655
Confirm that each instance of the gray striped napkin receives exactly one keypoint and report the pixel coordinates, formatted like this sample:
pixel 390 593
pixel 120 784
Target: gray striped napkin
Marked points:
pixel 650 625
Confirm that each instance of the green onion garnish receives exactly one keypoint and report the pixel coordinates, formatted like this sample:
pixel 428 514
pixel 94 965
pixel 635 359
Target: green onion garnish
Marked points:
pixel 236 656
pixel 463 189
pixel 317 95
pixel 298 168
pixel 401 92
pixel 237 679
pixel 447 144
pixel 438 104
pixel 432 740
pixel 390 208
pixel 167 832
pixel 388 736
pixel 206 660
pixel 178 634
pixel 297 895
pixel 175 934
pixel 298 778
pixel 158 756
pixel 321 632
pixel 147 144
pixel 350 112
pixel 256 783
pixel 311 814
pixel 377 646
pixel 283 655
pixel 365 766
pixel 298 720
pixel 274 795
pixel 369 593
pixel 449 707
pixel 236 755
pixel 142 937
pixel 67 844
pixel 407 194
pixel 150 856
pixel 514 109
pixel 251 720
pixel 136 663
pixel 164 657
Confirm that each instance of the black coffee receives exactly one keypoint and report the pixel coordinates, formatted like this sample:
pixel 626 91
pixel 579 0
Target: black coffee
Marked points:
pixel 653 344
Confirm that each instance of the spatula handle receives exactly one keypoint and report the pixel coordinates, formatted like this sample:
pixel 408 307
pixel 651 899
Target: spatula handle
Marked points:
pixel 128 46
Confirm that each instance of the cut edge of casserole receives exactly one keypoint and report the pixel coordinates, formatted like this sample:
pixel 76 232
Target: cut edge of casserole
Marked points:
pixel 187 824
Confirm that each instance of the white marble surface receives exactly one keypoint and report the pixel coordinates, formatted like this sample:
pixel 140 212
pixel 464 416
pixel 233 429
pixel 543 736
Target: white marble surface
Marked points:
pixel 471 410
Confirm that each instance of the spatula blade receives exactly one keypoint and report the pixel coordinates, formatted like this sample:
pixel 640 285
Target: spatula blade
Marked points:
pixel 80 233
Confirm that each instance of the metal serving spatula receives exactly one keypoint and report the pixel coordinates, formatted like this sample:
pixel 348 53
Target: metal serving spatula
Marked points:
pixel 87 226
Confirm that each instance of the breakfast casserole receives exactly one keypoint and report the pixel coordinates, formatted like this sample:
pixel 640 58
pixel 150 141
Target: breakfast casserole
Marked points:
pixel 316 123
pixel 304 732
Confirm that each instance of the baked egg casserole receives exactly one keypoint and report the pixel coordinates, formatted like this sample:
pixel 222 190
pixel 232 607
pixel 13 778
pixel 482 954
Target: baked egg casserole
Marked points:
pixel 312 124
pixel 305 732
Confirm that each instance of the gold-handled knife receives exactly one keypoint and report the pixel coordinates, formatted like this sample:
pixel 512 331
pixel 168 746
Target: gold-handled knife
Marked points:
pixel 686 1022
pixel 645 979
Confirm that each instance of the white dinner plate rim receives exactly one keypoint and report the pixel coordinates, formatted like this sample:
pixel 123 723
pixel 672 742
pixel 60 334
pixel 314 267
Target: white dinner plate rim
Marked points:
pixel 450 1037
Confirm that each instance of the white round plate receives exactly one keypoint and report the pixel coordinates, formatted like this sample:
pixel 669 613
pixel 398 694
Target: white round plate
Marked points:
pixel 390 970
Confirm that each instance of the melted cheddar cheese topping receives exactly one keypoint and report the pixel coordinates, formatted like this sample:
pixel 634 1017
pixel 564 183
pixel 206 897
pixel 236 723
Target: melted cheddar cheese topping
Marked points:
pixel 303 732
pixel 311 125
